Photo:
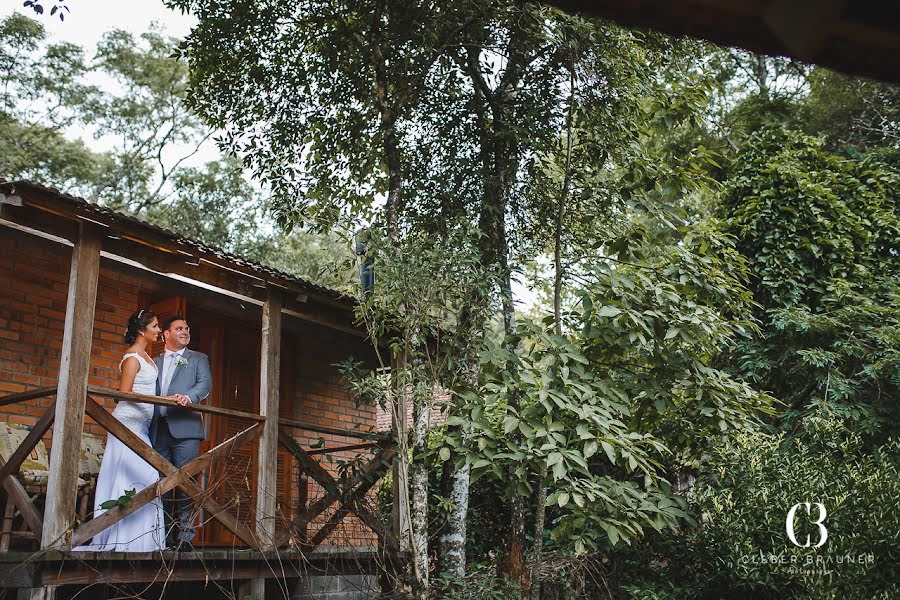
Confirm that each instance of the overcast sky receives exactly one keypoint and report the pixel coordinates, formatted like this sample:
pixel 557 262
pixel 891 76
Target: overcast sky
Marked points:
pixel 90 19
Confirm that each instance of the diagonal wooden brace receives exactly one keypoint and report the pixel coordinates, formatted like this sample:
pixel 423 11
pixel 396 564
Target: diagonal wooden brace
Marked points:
pixel 370 473
pixel 14 489
pixel 142 449
pixel 352 503
pixel 31 440
pixel 164 485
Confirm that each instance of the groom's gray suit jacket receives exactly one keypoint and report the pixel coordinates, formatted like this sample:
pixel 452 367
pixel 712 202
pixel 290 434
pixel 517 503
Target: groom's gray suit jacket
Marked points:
pixel 194 380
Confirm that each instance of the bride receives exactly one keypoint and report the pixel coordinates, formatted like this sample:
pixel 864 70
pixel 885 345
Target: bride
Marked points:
pixel 122 470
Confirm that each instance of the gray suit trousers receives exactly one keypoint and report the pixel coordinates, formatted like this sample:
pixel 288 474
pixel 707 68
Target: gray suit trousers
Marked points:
pixel 180 517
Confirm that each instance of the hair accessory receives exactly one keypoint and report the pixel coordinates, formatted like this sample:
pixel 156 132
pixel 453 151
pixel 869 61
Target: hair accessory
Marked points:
pixel 141 313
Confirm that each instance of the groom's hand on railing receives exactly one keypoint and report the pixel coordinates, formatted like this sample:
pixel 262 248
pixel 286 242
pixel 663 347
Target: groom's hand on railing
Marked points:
pixel 181 399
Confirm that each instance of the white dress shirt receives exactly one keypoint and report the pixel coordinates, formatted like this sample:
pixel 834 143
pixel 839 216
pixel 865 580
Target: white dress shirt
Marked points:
pixel 169 365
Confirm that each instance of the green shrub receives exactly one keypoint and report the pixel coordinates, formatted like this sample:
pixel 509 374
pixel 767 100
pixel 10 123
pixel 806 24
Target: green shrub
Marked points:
pixel 741 548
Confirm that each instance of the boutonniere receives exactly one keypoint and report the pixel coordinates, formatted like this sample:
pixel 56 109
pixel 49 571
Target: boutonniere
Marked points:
pixel 181 361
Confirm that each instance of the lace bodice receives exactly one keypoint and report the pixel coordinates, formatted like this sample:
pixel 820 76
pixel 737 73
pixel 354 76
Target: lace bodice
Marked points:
pixel 136 415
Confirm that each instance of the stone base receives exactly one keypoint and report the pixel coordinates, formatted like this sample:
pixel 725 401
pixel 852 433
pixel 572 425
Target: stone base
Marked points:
pixel 336 587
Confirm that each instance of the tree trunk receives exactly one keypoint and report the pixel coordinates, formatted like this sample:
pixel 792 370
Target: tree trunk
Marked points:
pixel 419 493
pixel 541 494
pixel 453 542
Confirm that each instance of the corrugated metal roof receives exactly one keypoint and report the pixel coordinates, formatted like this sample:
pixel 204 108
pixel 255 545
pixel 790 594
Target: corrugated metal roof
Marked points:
pixel 261 271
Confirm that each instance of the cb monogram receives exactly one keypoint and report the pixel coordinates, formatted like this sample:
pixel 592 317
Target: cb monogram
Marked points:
pixel 789 524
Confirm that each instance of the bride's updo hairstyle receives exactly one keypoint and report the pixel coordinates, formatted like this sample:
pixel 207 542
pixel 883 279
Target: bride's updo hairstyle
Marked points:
pixel 137 322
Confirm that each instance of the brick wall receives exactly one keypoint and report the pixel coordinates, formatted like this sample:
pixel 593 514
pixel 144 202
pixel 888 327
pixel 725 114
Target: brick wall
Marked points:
pixel 385 419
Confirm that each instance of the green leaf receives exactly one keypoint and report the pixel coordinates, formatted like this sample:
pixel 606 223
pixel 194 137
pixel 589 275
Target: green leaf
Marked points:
pixel 559 471
pixel 509 423
pixel 563 499
pixel 444 454
pixel 613 534
pixel 609 311
pixel 610 451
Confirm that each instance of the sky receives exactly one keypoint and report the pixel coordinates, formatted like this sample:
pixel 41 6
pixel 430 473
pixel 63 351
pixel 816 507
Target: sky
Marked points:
pixel 88 20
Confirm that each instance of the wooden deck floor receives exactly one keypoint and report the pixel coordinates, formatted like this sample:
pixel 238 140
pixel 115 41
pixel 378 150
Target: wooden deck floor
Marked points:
pixel 37 569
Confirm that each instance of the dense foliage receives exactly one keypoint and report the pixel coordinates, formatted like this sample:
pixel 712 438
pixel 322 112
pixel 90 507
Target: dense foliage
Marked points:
pixel 742 548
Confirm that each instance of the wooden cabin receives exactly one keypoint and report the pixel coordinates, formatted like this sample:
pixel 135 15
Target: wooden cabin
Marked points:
pixel 291 460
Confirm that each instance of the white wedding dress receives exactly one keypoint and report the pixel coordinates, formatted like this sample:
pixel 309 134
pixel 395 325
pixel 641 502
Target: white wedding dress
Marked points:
pixel 122 469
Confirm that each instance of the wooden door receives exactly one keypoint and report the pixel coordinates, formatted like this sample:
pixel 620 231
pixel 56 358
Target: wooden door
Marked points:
pixel 233 483
pixel 233 351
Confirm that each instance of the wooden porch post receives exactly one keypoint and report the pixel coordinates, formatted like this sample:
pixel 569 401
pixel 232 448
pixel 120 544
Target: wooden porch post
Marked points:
pixel 72 387
pixel 269 381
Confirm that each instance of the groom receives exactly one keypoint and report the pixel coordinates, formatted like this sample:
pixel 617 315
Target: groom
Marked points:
pixel 176 432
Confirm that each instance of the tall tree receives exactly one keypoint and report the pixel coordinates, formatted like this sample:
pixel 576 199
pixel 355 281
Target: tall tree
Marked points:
pixel 820 234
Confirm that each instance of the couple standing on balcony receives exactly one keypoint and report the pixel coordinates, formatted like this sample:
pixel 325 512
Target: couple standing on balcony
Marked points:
pixel 183 376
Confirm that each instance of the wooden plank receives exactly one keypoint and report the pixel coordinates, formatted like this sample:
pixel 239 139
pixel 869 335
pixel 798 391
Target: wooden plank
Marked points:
pixel 125 573
pixel 16 492
pixel 164 485
pixel 162 401
pixel 130 439
pixel 352 433
pixel 31 440
pixel 29 395
pixel 363 446
pixel 62 485
pixel 269 383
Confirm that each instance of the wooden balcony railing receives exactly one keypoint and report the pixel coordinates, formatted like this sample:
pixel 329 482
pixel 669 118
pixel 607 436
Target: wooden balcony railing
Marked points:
pixel 349 496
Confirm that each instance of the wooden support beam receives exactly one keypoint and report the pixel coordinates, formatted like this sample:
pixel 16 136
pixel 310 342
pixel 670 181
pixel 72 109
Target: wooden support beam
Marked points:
pixel 31 440
pixel 139 447
pixel 17 494
pixel 269 383
pixel 166 484
pixel 62 486
pixel 351 433
pixel 29 395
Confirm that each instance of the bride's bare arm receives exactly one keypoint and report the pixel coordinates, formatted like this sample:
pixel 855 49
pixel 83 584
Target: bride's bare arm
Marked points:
pixel 130 369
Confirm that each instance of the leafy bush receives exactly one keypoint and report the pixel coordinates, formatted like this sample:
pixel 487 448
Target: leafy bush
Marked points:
pixel 742 549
